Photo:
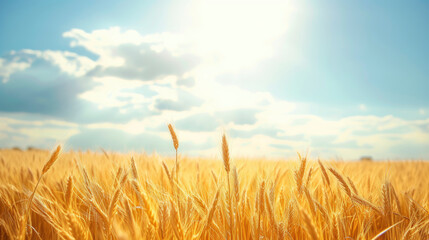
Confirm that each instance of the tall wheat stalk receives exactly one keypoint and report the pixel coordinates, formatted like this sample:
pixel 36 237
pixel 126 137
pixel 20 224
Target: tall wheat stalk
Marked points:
pixel 175 145
pixel 46 167
pixel 227 164
pixel 260 206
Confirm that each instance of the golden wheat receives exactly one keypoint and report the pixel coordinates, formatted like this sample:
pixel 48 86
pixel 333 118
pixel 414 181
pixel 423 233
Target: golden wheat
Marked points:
pixel 83 197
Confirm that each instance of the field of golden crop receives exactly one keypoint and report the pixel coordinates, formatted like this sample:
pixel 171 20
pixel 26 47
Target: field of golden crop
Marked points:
pixel 89 195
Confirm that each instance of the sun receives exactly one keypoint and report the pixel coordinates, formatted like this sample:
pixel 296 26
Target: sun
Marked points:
pixel 239 33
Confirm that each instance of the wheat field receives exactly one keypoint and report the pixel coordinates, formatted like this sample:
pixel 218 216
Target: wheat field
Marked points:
pixel 108 195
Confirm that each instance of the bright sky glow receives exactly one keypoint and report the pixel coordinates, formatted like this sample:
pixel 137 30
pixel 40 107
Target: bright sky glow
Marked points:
pixel 340 79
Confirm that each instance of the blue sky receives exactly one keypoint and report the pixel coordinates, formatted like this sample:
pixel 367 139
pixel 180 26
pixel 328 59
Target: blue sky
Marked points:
pixel 342 79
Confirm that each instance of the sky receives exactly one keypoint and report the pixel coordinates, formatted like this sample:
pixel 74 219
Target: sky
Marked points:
pixel 338 79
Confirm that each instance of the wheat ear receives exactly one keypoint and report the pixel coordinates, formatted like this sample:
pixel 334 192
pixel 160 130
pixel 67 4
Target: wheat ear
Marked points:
pixel 225 154
pixel 52 159
pixel 364 202
pixel 342 181
pixel 325 174
pixel 173 136
pixel 236 184
pixel 299 175
pixel 134 169
pixel 69 192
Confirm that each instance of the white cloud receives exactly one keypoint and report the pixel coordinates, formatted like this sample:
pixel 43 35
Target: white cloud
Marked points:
pixel 7 68
pixel 68 62
pixel 110 91
pixel 99 41
pixel 103 42
pixel 272 127
pixel 214 96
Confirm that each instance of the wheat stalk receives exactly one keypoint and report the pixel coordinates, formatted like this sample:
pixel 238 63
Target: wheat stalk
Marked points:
pixel 167 172
pixel 99 211
pixel 113 206
pixel 46 167
pixel 311 229
pixel 299 175
pixel 225 154
pixel 200 203
pixel 175 222
pixel 355 191
pixel 309 177
pixel 325 174
pixel 398 204
pixel 52 159
pixel 211 212
pixel 176 146
pixel 143 199
pixel 76 228
pixel 163 220
pixel 310 201
pixel 69 192
pixel 173 137
pixel 260 205
pixel 130 216
pixel 227 164
pixel 236 184
pixel 134 169
pixel 271 213
pixel 342 181
pixel 364 202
